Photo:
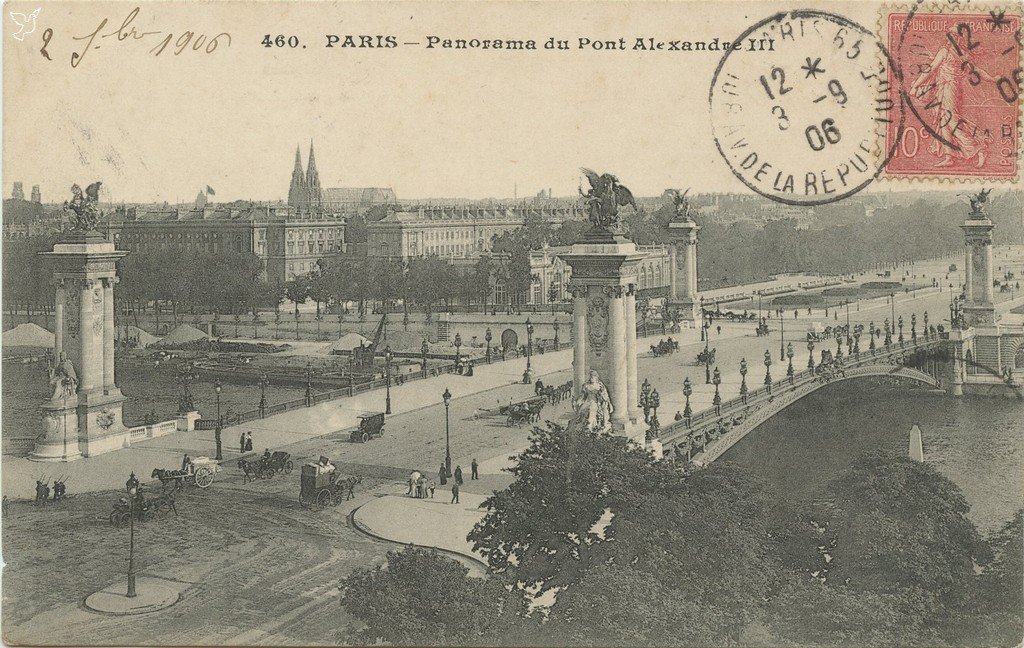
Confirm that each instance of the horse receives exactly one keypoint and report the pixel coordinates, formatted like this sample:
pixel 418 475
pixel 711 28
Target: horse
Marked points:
pixel 165 476
pixel 348 485
pixel 251 470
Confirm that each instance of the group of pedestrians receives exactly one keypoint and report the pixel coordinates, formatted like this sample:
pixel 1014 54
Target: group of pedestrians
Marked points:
pixel 420 488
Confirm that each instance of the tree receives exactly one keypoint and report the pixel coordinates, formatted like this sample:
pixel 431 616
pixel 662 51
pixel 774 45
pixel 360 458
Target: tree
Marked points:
pixel 424 598
pixel 296 291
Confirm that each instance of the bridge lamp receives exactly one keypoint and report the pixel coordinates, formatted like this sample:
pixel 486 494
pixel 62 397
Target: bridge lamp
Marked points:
pixel 487 338
pixel 926 332
pixel 424 349
pixel 447 398
pixel 717 380
pixel 900 325
pixel 743 379
pixel 458 348
pixel 687 390
pixel 645 399
pixel 655 402
pixel 388 357
pixel 264 383
pixel 913 327
pixel 789 355
pixel 768 370
pixel 810 354
pixel 528 374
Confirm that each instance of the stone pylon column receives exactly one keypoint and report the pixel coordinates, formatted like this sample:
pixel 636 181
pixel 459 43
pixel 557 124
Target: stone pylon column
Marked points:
pixel 82 417
pixel 979 308
pixel 683 296
pixel 604 270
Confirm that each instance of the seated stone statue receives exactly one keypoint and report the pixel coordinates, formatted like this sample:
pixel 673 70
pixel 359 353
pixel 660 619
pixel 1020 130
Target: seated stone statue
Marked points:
pixel 63 378
pixel 594 406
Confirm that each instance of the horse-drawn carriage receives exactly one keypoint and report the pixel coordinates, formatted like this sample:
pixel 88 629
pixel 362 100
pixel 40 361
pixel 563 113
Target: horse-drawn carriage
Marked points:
pixel 197 472
pixel 706 356
pixel 527 411
pixel 145 508
pixel 664 347
pixel 371 425
pixel 319 490
pixel 265 466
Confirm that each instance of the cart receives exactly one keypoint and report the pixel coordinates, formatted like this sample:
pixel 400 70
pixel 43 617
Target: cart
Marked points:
pixel 318 491
pixel 371 425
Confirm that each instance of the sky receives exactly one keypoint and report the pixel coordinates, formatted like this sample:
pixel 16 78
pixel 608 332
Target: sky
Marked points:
pixel 426 122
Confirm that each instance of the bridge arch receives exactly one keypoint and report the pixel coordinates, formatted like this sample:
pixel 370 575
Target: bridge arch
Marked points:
pixel 744 419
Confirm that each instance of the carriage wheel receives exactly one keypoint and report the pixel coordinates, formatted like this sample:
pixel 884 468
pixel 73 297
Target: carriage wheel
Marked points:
pixel 115 518
pixel 203 477
pixel 288 467
pixel 120 518
pixel 364 438
pixel 508 422
pixel 324 499
pixel 381 433
pixel 267 473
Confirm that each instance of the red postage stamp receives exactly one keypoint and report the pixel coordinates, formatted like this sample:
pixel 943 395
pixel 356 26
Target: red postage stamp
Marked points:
pixel 959 76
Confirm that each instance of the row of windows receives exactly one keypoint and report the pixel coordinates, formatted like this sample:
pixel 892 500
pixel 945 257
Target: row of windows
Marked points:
pixel 320 233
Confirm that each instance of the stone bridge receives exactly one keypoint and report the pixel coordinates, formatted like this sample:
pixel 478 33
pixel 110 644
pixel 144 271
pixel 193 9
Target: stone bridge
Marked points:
pixel 706 435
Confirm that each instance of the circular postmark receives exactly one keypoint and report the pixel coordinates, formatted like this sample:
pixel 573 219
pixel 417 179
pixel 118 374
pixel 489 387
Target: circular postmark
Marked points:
pixel 803 121
pixel 958 70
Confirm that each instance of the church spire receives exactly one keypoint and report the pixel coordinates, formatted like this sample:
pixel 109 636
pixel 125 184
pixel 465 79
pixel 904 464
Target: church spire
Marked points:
pixel 315 194
pixel 297 195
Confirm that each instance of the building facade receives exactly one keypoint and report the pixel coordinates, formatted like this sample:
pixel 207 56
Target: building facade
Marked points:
pixel 551 274
pixel 288 243
pixel 451 232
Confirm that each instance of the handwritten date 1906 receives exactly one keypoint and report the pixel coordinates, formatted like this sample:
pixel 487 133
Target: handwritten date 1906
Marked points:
pixel 162 40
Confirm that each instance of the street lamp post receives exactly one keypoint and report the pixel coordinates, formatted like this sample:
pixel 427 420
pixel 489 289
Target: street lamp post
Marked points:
pixel 810 354
pixel 856 339
pixel 424 349
pixel 839 344
pixel 264 383
pixel 458 349
pixel 487 338
pixel 892 306
pixel 768 370
pixel 899 324
pixel 717 401
pixel 655 403
pixel 789 355
pixel 447 398
pixel 871 332
pixel 927 333
pixel 782 340
pixel 132 492
pixel 743 379
pixel 888 332
pixel 555 325
pixel 388 355
pixel 913 327
pixel 217 387
pixel 528 374
pixel 687 390
pixel 309 384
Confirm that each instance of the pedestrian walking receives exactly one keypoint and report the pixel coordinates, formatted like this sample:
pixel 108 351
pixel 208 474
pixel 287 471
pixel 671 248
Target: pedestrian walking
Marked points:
pixel 442 475
pixel 423 487
pixel 248 441
pixel 474 470
pixel 455 493
pixel 458 475
pixel 414 476
pixel 241 443
pixel 433 486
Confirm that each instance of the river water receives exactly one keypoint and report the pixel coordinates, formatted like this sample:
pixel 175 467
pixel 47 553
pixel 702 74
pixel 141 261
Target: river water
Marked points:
pixel 977 442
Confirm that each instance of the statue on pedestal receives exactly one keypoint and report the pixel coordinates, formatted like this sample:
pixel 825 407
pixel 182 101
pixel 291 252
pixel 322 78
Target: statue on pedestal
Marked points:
pixel 594 405
pixel 681 203
pixel 603 200
pixel 63 378
pixel 86 214
pixel 978 203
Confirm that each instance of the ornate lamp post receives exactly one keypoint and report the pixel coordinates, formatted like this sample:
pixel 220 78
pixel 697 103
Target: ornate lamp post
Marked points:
pixel 789 355
pixel 927 333
pixel 871 332
pixel 217 387
pixel 892 305
pixel 555 325
pixel 447 398
pixel 388 355
pixel 717 401
pixel 309 384
pixel 856 338
pixel 743 379
pixel 264 383
pixel 913 327
pixel 768 370
pixel 132 492
pixel 687 390
pixel 899 324
pixel 458 348
pixel 810 353
pixel 655 402
pixel 487 338
pixel 186 375
pixel 888 332
pixel 424 349
pixel 528 374
pixel 839 344
pixel 782 339
pixel 645 400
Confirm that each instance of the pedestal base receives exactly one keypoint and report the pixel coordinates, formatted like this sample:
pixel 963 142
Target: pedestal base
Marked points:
pixel 59 440
pixel 87 424
pixel 688 310
pixel 979 315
